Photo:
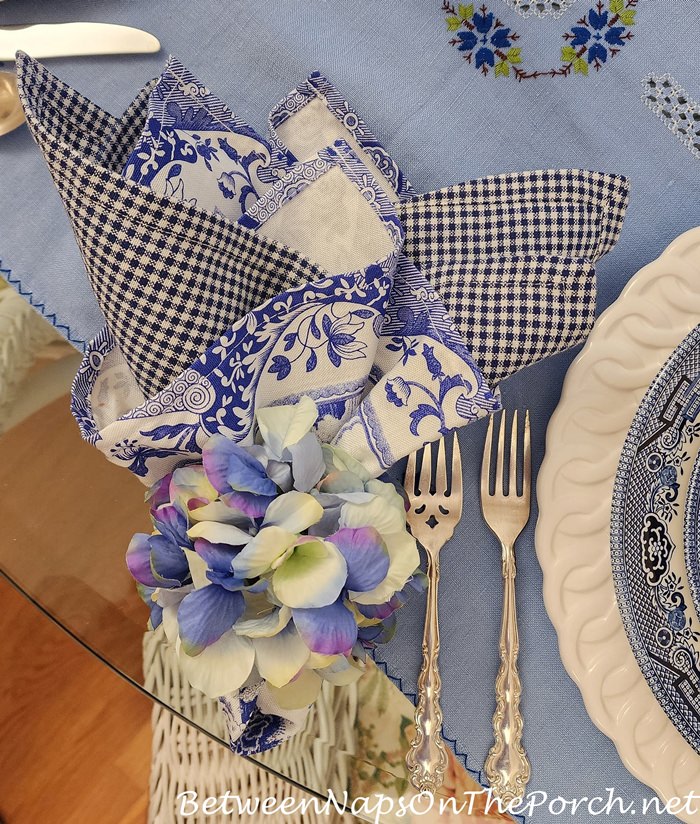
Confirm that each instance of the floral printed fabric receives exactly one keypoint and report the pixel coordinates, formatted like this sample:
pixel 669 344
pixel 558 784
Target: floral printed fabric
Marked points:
pixel 343 319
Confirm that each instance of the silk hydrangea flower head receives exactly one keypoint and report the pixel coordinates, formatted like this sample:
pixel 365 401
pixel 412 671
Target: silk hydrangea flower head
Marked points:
pixel 279 561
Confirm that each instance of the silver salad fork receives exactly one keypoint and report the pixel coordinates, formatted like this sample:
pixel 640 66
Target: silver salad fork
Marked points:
pixel 433 515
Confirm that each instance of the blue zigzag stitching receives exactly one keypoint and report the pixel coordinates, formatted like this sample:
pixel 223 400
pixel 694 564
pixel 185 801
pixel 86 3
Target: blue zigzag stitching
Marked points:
pixel 477 775
pixel 41 308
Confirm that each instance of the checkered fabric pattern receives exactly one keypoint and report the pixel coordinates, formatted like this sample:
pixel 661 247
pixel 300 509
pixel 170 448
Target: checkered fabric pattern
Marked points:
pixel 169 278
pixel 567 212
pixel 516 311
pixel 512 258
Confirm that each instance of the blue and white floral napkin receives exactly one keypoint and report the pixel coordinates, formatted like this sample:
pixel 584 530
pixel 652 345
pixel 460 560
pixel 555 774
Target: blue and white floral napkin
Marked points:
pixel 236 272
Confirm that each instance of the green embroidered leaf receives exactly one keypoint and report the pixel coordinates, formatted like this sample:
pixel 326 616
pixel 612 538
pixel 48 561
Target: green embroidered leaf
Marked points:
pixel 466 12
pixel 502 69
pixel 453 23
pixel 627 16
pixel 580 66
pixel 513 55
pixel 616 6
pixel 568 54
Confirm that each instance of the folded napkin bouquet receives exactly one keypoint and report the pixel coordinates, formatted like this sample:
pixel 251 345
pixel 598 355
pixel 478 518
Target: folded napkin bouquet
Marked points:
pixel 238 273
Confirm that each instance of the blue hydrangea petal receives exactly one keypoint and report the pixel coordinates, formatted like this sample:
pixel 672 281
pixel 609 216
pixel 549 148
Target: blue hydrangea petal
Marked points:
pixel 218 557
pixel 171 522
pixel 366 556
pixel 329 630
pixel 168 562
pixel 229 466
pixel 205 614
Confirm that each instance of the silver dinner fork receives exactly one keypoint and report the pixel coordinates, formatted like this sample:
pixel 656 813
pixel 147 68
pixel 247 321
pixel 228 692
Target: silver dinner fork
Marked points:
pixel 507 512
pixel 435 509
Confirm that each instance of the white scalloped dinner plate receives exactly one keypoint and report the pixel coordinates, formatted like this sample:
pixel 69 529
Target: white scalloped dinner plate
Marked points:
pixel 603 389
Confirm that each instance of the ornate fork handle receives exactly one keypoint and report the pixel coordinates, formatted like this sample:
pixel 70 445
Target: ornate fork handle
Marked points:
pixel 427 756
pixel 507 766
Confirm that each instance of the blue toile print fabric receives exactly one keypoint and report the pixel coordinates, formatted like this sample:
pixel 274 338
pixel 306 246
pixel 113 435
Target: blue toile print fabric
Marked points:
pixel 237 272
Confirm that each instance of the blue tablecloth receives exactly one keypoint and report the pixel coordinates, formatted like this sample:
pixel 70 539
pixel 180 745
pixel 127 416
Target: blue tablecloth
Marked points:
pixel 443 119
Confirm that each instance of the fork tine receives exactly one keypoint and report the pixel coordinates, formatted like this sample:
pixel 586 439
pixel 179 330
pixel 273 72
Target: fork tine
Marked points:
pixel 526 457
pixel 456 482
pixel 409 480
pixel 486 461
pixel 513 474
pixel 425 470
pixel 500 457
pixel 441 469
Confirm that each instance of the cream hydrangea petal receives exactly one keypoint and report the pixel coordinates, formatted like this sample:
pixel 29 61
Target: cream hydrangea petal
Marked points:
pixel 261 551
pixel 189 482
pixel 282 426
pixel 217 533
pixel 338 459
pixel 404 560
pixel 301 692
pixel 280 657
pixel 222 667
pixel 387 492
pixel 218 511
pixel 312 576
pixel 385 519
pixel 293 511
pixel 264 626
pixel 343 671
pixel 198 569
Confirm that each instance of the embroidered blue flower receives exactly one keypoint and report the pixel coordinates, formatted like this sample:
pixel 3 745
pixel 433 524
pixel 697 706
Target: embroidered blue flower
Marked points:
pixel 599 35
pixel 489 44
pixel 483 38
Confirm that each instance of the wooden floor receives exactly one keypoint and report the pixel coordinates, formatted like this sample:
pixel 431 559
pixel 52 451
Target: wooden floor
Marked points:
pixel 74 737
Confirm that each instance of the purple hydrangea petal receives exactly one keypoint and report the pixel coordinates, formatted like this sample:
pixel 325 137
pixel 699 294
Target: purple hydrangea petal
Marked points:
pixel 138 560
pixel 205 614
pixel 171 523
pixel 159 493
pixel 250 504
pixel 365 554
pixel 330 630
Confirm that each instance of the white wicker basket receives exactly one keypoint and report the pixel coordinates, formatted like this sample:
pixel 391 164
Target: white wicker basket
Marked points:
pixel 185 759
pixel 24 335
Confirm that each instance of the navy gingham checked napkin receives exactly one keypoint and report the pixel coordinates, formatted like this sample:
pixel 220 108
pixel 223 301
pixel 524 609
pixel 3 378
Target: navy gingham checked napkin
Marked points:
pixel 236 271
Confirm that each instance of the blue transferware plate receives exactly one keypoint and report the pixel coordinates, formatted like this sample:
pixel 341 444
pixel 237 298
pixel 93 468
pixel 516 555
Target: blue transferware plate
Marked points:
pixel 691 534
pixel 647 535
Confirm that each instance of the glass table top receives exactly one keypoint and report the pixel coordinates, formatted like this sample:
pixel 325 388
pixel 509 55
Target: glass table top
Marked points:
pixel 67 516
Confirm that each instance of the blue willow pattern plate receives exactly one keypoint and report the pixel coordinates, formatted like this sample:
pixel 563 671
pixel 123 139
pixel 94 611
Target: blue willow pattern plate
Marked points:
pixel 691 534
pixel 646 532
